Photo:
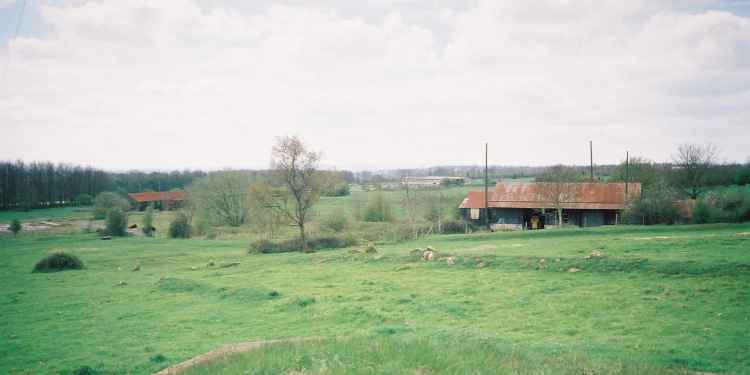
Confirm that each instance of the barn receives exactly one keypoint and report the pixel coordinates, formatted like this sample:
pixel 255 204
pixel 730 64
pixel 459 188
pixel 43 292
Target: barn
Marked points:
pixel 163 200
pixel 532 205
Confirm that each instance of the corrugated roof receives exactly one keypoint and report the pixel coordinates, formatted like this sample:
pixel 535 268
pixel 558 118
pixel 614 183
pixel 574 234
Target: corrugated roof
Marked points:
pixel 584 195
pixel 156 196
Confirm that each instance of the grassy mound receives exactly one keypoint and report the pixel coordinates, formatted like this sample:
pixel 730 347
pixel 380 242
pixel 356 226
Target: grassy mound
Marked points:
pixel 285 246
pixel 58 262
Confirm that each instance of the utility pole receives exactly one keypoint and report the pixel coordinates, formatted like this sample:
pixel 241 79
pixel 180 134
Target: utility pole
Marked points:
pixel 486 182
pixel 627 172
pixel 591 156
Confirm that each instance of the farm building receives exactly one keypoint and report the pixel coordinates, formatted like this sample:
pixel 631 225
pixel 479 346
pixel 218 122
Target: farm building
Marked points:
pixel 432 181
pixel 531 205
pixel 164 200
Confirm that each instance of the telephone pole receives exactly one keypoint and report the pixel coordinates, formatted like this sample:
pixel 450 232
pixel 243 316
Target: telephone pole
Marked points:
pixel 486 182
pixel 627 172
pixel 591 156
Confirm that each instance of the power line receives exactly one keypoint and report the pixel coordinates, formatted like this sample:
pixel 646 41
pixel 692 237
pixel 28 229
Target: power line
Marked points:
pixel 15 36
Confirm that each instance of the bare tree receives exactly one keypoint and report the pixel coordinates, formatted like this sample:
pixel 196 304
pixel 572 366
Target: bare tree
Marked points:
pixel 694 162
pixel 557 185
pixel 221 195
pixel 295 169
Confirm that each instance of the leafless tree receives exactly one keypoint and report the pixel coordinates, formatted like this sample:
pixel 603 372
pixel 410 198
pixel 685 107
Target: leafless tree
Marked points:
pixel 222 196
pixel 693 162
pixel 295 170
pixel 557 185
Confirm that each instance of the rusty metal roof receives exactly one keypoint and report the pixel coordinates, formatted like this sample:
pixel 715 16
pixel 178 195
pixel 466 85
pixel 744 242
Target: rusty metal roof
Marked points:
pixel 583 195
pixel 155 196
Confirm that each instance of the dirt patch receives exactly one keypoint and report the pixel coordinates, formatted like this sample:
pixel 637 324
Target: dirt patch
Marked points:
pixel 654 238
pixel 224 351
pixel 743 234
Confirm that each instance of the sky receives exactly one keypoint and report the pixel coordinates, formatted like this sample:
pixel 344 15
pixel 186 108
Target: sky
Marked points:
pixel 175 84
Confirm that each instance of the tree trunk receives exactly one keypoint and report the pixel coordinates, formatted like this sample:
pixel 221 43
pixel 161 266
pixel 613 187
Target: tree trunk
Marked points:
pixel 303 237
pixel 559 217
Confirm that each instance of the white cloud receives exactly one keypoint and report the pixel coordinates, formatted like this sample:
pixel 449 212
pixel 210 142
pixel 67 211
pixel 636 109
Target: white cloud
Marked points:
pixel 173 84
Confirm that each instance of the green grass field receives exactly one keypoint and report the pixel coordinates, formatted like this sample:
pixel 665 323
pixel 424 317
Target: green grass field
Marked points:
pixel 659 298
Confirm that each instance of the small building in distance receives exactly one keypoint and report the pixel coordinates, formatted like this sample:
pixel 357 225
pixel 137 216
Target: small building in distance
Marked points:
pixel 433 181
pixel 163 200
pixel 532 205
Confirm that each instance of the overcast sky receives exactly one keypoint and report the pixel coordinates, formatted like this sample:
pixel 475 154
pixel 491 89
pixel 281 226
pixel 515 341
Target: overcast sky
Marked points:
pixel 373 84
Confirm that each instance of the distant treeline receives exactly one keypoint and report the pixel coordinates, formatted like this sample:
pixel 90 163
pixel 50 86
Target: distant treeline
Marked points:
pixel 44 184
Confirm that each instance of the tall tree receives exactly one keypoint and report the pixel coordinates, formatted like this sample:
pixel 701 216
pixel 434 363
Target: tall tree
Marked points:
pixel 295 171
pixel 694 162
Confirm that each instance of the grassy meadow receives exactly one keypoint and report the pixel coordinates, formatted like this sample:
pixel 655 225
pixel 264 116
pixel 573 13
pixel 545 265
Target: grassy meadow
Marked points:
pixel 661 299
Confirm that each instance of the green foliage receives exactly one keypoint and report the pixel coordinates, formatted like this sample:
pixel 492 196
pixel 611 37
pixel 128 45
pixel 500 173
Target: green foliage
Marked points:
pixel 15 226
pixel 180 226
pixel 456 226
pixel 265 246
pixel 656 206
pixel 378 208
pixel 148 222
pixel 337 221
pixel 338 190
pixel 117 222
pixel 727 206
pixel 84 200
pixel 222 197
pixel 85 370
pixel 743 176
pixel 106 201
pixel 58 261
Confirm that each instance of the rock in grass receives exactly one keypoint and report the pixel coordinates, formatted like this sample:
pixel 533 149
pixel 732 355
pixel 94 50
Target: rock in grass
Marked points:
pixel 450 260
pixel 573 270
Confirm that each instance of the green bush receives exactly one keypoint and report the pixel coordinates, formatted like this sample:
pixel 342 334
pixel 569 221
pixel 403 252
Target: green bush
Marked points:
pixel 180 226
pixel 338 190
pixel 58 262
pixel 378 208
pixel 336 222
pixel 84 200
pixel 148 222
pixel 455 226
pixel 106 201
pixel 15 226
pixel 701 212
pixel 730 206
pixel 290 245
pixel 117 222
pixel 656 206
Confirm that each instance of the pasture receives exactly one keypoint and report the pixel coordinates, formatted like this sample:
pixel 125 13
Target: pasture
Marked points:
pixel 661 299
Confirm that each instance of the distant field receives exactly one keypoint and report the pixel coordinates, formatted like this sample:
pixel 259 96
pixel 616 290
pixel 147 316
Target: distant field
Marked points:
pixel 663 297
pixel 46 213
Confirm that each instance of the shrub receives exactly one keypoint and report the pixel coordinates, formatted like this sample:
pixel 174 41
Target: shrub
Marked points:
pixel 117 222
pixel 148 222
pixel 15 226
pixel 455 226
pixel 84 200
pixel 701 212
pixel 656 206
pixel 58 262
pixel 265 246
pixel 338 190
pixel 336 222
pixel 106 201
pixel 180 226
pixel 378 208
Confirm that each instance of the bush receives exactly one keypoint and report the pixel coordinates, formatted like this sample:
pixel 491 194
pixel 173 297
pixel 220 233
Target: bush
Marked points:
pixel 106 201
pixel 117 222
pixel 338 190
pixel 285 246
pixel 656 206
pixel 701 212
pixel 58 262
pixel 455 226
pixel 148 222
pixel 180 226
pixel 84 200
pixel 15 226
pixel 731 206
pixel 378 209
pixel 336 222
